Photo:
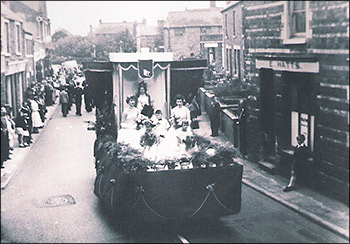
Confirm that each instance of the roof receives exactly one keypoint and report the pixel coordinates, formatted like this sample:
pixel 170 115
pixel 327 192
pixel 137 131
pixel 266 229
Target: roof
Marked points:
pixel 148 30
pixel 114 27
pixel 230 5
pixel 8 14
pixel 194 17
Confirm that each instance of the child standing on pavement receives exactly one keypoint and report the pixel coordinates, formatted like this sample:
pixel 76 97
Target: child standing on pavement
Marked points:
pixel 299 157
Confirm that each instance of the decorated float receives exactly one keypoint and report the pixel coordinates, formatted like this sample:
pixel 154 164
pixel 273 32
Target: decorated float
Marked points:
pixel 201 180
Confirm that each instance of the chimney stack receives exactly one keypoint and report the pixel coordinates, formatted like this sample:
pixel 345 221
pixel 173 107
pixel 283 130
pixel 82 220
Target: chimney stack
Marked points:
pixel 212 4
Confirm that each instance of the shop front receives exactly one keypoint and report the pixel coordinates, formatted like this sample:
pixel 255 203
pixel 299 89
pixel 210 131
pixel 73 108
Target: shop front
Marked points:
pixel 288 95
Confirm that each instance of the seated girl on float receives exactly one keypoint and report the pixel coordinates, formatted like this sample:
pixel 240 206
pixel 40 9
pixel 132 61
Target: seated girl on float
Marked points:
pixel 128 133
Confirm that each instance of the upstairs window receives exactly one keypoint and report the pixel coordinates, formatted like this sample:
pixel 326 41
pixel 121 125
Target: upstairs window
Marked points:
pixel 7 37
pixel 41 30
pixel 234 23
pixel 298 18
pixel 226 26
pixel 18 38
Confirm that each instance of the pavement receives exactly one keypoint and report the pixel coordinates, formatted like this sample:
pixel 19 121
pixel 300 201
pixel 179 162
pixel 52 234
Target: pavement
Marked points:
pixel 318 208
pixel 19 154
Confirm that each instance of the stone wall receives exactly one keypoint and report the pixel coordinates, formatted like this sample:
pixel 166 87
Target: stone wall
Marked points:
pixel 328 43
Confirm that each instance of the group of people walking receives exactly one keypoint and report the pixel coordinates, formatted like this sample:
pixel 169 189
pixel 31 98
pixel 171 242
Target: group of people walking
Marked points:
pixel 150 132
pixel 72 88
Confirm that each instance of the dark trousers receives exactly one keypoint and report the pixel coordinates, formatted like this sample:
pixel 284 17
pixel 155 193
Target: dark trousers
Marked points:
pixel 5 147
pixel 88 103
pixel 214 125
pixel 64 107
pixel 78 108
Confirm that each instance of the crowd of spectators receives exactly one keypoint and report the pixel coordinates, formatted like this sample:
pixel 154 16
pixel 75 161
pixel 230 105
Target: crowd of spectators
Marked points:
pixel 38 96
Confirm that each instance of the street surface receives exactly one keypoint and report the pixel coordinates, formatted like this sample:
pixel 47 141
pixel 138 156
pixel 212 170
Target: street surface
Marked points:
pixel 51 199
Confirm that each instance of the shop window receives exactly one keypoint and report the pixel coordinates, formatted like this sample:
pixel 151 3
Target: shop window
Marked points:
pixel 302 99
pixel 211 53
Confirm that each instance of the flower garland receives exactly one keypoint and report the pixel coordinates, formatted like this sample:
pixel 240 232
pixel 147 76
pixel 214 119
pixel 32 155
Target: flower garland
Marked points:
pixel 132 160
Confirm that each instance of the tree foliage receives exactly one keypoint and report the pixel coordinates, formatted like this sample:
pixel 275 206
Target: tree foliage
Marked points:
pixel 81 46
pixel 60 34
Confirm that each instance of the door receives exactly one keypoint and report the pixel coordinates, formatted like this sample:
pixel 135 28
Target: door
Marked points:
pixel 267 95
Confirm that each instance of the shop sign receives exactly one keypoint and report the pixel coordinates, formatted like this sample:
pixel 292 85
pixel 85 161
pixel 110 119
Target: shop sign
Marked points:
pixel 291 66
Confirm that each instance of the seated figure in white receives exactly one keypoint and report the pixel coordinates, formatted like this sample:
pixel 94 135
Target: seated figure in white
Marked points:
pixel 185 141
pixel 161 125
pixel 128 133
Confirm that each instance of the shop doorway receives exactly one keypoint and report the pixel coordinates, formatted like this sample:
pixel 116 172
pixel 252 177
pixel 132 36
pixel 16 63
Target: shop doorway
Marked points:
pixel 267 95
pixel 300 108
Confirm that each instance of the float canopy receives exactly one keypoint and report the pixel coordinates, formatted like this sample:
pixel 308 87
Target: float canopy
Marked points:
pixel 143 55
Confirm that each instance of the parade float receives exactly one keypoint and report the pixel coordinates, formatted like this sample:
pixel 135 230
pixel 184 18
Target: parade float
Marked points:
pixel 204 181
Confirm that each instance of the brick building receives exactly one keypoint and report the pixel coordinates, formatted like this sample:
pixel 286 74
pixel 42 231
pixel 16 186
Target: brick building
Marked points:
pixel 197 32
pixel 297 53
pixel 233 40
pixel 25 39
pixel 144 35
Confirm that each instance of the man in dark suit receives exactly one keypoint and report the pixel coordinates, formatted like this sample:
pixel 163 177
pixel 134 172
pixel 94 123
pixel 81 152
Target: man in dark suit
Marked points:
pixel 214 116
pixel 299 157
pixel 78 93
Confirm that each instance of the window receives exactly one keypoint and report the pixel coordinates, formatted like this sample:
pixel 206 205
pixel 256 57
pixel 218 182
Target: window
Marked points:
pixel 211 53
pixel 226 25
pixel 235 59
pixel 18 38
pixel 29 46
pixel 41 30
pixel 7 36
pixel 296 18
pixel 179 31
pixel 234 23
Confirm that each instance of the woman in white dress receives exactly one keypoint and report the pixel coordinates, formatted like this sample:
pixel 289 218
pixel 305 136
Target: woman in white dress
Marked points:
pixel 37 122
pixel 180 112
pixel 168 148
pixel 128 133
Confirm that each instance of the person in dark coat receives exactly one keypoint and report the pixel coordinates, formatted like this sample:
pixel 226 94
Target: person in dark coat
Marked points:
pixel 78 93
pixel 70 91
pixel 5 141
pixel 87 97
pixel 26 108
pixel 214 116
pixel 63 97
pixel 299 157
pixel 48 94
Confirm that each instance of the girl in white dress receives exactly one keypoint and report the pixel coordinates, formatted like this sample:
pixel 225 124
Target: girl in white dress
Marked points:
pixel 128 133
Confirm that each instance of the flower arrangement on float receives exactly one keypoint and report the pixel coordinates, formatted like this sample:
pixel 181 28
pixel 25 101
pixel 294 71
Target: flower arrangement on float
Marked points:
pixel 200 153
